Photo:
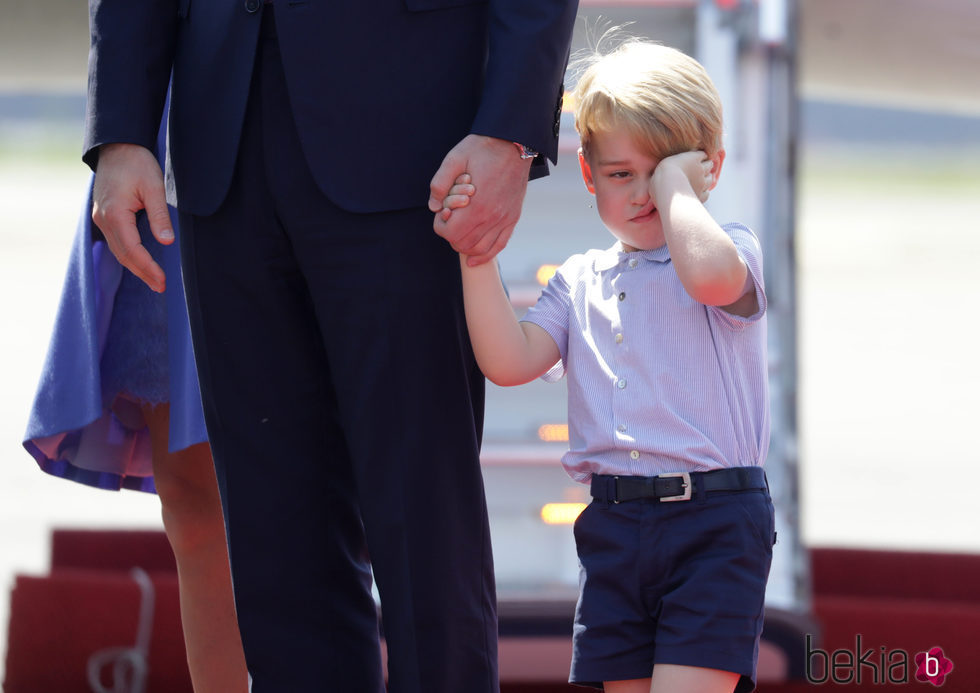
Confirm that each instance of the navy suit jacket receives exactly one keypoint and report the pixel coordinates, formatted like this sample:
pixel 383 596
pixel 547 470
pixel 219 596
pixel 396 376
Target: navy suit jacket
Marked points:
pixel 381 89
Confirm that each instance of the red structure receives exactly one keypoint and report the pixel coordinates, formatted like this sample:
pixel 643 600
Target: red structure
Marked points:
pixel 872 609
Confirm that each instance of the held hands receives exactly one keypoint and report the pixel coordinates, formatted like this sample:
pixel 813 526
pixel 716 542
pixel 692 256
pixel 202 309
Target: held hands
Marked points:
pixel 128 179
pixel 458 196
pixel 482 229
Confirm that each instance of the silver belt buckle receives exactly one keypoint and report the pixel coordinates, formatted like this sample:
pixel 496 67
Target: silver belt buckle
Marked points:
pixel 686 494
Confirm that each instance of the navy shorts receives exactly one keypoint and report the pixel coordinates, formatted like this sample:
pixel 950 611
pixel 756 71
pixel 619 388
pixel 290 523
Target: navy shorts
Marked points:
pixel 672 583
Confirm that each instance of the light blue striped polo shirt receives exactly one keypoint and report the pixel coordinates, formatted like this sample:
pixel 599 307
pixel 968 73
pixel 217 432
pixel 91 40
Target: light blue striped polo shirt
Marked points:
pixel 656 381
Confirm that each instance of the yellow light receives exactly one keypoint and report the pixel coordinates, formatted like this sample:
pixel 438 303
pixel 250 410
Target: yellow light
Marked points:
pixel 553 433
pixel 568 102
pixel 561 513
pixel 545 273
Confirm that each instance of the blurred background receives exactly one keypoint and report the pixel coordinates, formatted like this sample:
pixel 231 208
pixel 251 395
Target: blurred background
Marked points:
pixel 879 144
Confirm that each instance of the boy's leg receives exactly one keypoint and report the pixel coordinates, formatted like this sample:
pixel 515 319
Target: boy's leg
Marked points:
pixel 630 686
pixel 676 678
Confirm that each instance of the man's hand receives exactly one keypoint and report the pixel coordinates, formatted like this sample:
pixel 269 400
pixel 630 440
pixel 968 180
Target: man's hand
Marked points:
pixel 127 180
pixel 482 228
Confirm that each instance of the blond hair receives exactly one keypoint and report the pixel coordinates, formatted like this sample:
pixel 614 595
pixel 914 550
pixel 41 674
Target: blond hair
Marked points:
pixel 663 97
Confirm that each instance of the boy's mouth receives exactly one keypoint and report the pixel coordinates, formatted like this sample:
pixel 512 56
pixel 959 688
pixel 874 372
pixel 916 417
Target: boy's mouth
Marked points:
pixel 646 214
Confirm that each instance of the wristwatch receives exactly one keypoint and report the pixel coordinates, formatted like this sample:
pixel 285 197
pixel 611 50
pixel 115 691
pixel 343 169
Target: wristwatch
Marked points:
pixel 526 152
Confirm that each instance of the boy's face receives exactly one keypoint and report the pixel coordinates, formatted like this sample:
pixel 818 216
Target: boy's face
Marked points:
pixel 618 173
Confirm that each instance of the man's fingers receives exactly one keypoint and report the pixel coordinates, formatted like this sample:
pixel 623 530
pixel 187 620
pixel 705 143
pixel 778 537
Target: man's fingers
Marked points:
pixel 447 174
pixel 482 245
pixel 155 205
pixel 478 239
pixel 486 241
pixel 495 205
pixel 498 245
pixel 143 266
pixel 460 243
pixel 129 180
pixel 123 238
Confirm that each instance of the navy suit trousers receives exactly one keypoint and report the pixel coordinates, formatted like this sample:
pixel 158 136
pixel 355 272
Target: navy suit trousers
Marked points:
pixel 345 410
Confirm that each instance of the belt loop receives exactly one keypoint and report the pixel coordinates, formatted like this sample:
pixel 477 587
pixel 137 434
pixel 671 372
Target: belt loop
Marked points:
pixel 604 487
pixel 745 476
pixel 700 493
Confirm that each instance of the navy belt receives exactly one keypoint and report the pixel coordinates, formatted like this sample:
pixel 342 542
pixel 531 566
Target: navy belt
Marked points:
pixel 676 486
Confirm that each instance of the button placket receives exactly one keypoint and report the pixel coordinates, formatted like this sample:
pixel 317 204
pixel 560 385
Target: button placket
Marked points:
pixel 618 356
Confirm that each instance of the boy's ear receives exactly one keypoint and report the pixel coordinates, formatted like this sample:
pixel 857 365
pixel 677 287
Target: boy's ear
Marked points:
pixel 586 171
pixel 716 161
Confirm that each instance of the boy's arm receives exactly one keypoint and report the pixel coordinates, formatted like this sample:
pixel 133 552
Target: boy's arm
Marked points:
pixel 703 255
pixel 508 352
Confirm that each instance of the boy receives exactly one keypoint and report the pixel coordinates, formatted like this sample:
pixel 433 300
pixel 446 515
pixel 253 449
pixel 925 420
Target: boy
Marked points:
pixel 663 340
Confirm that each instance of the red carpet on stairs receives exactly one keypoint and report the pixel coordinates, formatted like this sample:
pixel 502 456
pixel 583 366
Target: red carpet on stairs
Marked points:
pixel 90 603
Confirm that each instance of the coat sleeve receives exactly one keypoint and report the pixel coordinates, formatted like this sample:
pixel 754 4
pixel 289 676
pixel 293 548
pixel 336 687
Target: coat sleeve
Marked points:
pixel 130 59
pixel 522 94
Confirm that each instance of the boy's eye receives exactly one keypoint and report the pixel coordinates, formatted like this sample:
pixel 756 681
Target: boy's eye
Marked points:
pixel 619 174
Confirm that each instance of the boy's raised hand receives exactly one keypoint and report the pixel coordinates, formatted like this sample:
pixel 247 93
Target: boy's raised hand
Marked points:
pixel 696 167
pixel 458 196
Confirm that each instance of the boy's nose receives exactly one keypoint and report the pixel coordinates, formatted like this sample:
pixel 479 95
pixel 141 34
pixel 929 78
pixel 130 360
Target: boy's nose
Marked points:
pixel 640 193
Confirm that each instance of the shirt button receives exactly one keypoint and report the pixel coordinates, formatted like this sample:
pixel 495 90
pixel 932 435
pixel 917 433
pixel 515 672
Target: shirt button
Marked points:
pixel 253 5
pixel 621 383
pixel 634 454
pixel 621 428
pixel 619 338
pixel 622 295
pixel 634 262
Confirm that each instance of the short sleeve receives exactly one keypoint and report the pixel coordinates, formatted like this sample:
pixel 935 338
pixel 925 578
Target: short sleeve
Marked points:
pixel 750 250
pixel 551 312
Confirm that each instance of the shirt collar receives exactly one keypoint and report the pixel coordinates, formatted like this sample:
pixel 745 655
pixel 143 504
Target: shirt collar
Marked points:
pixel 613 256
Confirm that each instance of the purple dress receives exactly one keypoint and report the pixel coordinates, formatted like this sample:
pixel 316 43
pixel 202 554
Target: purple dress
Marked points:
pixel 115 345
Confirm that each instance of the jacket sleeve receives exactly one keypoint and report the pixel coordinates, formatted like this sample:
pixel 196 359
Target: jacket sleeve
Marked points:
pixel 522 94
pixel 130 59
